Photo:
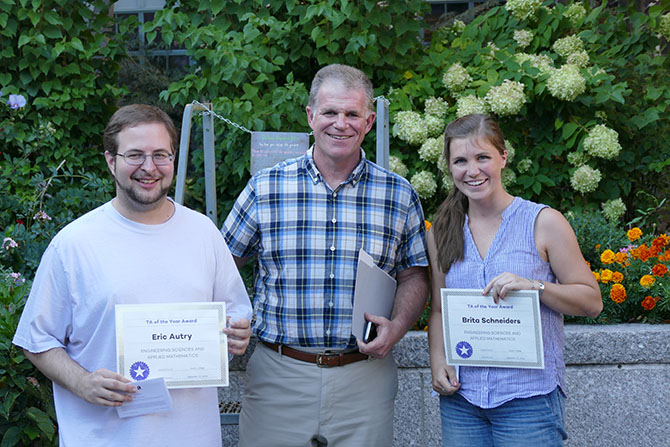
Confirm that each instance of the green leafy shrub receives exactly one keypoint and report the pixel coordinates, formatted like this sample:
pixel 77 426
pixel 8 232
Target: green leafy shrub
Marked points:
pixel 27 415
pixel 254 60
pixel 581 99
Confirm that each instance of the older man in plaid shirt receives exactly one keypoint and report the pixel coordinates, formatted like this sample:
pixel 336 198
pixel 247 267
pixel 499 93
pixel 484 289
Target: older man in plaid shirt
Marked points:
pixel 304 221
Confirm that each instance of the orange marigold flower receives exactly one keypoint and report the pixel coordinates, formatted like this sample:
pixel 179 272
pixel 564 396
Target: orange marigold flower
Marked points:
pixel 634 234
pixel 643 253
pixel 659 270
pixel 617 277
pixel 597 246
pixel 648 303
pixel 665 256
pixel 618 293
pixel 588 264
pixel 647 281
pixel 605 276
pixel 662 240
pixel 428 225
pixel 621 257
pixel 596 275
pixel 607 257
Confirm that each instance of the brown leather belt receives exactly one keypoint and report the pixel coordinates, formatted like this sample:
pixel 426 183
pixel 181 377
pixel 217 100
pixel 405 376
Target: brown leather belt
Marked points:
pixel 321 359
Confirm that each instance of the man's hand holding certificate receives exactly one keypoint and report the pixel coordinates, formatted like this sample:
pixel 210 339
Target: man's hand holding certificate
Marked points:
pixel 479 332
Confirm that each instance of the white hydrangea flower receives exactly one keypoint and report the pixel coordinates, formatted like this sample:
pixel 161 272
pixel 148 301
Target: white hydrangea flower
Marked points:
pixel 506 99
pixel 664 26
pixel 424 184
pixel 578 159
pixel 601 115
pixel 396 165
pixel 523 37
pixel 524 165
pixel 456 78
pixel 447 181
pixel 540 61
pixel 442 164
pixel 467 105
pixel 431 150
pixel 568 45
pixel 566 83
pixel 585 179
pixel 595 71
pixel 511 152
pixel 492 48
pixel 47 129
pixel 575 13
pixel 435 106
pixel 578 58
pixel 434 125
pixel 458 26
pixel 508 178
pixel 410 127
pixel 614 209
pixel 523 9
pixel 602 142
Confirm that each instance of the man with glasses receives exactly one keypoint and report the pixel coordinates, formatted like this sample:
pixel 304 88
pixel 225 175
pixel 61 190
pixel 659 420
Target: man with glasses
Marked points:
pixel 141 247
pixel 309 380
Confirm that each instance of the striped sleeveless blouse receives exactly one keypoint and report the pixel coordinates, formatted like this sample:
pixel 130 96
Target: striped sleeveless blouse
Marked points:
pixel 512 250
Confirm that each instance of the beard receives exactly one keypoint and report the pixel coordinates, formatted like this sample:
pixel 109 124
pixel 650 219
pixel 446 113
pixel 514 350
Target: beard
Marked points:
pixel 139 199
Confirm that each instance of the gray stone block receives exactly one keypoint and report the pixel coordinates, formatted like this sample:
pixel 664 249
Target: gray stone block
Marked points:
pixel 612 406
pixel 616 382
pixel 619 343
pixel 408 417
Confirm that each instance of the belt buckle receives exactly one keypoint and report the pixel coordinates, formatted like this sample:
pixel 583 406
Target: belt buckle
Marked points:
pixel 320 359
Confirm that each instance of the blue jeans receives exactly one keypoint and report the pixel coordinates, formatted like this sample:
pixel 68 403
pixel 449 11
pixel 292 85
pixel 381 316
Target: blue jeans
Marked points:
pixel 530 422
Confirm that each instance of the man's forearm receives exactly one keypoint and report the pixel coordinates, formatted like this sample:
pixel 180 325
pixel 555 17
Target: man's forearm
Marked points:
pixel 410 298
pixel 58 366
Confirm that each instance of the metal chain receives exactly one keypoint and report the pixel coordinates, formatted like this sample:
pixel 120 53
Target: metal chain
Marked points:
pixel 239 126
pixel 221 117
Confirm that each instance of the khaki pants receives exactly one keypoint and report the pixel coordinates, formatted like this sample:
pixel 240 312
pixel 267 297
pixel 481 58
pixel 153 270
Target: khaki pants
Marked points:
pixel 290 403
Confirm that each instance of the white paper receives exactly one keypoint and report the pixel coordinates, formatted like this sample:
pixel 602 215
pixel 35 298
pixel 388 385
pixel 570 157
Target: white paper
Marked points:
pixel 478 332
pixel 182 342
pixel 152 396
pixel 374 293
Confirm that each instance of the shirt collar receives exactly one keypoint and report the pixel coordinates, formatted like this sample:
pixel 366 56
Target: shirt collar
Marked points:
pixel 356 175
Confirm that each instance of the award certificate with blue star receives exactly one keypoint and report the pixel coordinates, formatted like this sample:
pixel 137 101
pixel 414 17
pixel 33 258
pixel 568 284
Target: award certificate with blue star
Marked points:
pixel 479 332
pixel 183 343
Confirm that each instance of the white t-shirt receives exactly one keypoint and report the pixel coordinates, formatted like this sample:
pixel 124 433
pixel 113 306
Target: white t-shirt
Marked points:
pixel 103 259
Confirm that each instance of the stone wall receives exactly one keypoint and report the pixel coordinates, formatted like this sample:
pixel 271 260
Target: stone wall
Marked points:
pixel 618 385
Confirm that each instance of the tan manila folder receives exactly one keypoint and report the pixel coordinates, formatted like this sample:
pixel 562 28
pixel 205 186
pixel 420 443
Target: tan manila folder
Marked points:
pixel 374 293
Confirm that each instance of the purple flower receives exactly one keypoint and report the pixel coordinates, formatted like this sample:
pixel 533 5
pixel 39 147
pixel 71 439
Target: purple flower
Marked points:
pixel 16 101
pixel 8 243
pixel 18 280
pixel 41 215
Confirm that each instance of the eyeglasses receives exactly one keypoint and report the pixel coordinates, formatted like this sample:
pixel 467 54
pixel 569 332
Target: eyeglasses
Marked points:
pixel 136 158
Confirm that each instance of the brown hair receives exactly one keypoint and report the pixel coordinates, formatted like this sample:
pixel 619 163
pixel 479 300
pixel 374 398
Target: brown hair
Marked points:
pixel 450 216
pixel 134 115
pixel 351 77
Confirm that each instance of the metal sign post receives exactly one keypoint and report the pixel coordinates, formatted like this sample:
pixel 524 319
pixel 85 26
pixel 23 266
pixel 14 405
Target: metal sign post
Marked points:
pixel 208 148
pixel 382 132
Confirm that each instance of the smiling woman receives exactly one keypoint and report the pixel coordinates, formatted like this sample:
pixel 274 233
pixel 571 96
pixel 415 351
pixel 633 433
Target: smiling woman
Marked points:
pixel 484 238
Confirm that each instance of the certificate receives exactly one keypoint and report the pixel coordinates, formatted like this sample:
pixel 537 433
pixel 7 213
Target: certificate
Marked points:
pixel 183 343
pixel 478 332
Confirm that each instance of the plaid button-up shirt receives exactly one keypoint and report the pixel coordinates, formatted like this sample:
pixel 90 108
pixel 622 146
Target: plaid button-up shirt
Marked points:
pixel 306 237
